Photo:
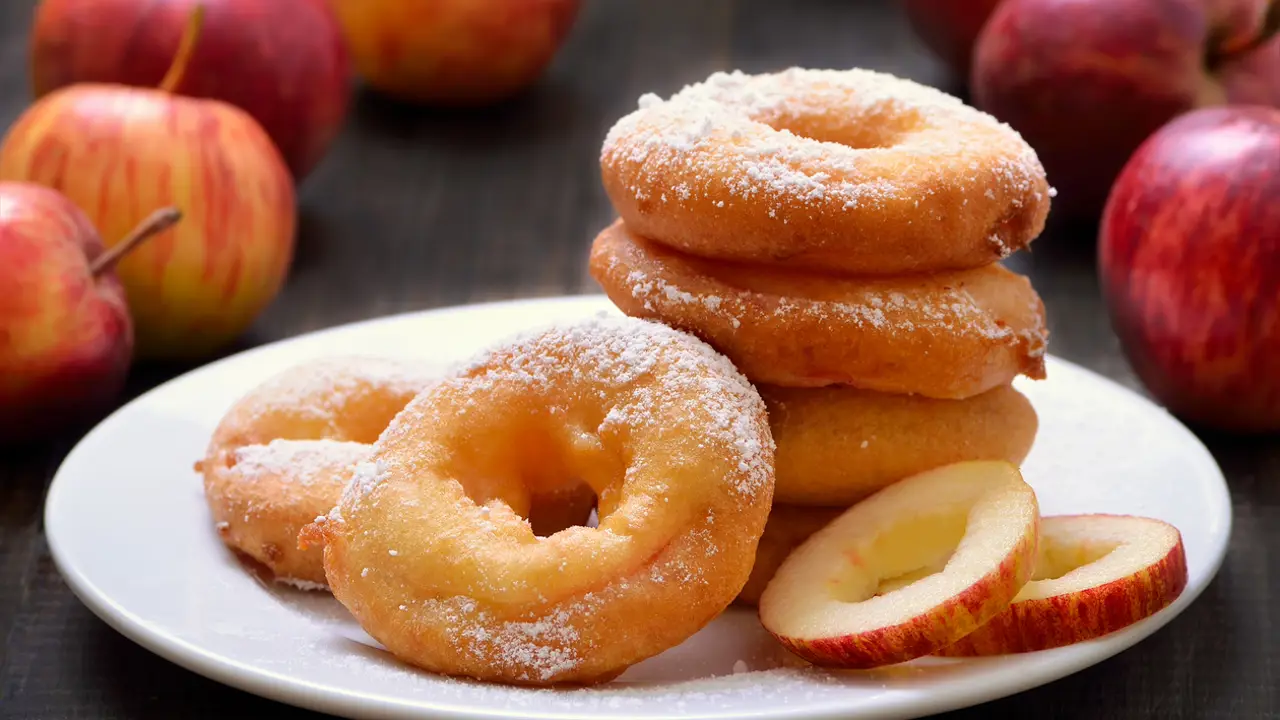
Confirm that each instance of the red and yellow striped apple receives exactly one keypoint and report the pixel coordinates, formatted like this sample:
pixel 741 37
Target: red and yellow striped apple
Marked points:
pixel 454 52
pixel 118 152
pixel 1189 262
pixel 284 62
pixel 1096 574
pixel 66 337
pixel 908 571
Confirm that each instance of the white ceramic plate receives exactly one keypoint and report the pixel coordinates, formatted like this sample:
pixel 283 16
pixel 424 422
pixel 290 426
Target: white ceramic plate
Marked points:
pixel 129 530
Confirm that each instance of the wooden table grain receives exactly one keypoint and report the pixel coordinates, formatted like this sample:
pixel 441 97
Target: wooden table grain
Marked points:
pixel 417 209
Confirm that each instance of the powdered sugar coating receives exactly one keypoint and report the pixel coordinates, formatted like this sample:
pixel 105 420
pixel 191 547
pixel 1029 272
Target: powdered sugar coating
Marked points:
pixel 546 644
pixel 618 351
pixel 319 389
pixel 364 478
pixel 790 166
pixel 946 335
pixel 301 461
pixel 743 110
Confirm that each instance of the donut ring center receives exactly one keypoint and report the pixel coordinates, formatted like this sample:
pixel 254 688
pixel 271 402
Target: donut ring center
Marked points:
pixel 515 460
pixel 864 128
pixel 488 459
pixel 817 111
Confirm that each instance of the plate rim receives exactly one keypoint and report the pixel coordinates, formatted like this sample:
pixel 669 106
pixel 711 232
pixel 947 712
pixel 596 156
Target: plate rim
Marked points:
pixel 299 692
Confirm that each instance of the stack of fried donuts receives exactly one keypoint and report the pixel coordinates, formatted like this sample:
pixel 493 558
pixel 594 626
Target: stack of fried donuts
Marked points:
pixel 837 235
pixel 812 310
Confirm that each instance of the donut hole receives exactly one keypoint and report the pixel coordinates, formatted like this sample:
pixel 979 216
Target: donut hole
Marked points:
pixel 872 130
pixel 541 469
pixel 551 513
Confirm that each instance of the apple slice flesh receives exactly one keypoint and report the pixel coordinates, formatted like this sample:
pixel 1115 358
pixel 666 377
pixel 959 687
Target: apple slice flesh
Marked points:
pixel 1096 574
pixel 909 570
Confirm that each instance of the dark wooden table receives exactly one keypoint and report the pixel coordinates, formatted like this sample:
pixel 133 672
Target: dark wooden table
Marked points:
pixel 417 209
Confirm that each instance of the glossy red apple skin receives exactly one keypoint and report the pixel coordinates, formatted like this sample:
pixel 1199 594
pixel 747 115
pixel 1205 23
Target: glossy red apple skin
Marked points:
pixel 1189 261
pixel 949 28
pixel 284 62
pixel 66 338
pixel 1086 81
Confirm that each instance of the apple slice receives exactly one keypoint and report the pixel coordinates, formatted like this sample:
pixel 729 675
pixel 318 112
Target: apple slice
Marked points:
pixel 1096 574
pixel 909 570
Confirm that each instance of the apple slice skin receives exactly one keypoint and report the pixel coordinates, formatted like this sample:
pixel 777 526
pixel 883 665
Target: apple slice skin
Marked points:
pixel 994 493
pixel 1069 618
pixel 926 634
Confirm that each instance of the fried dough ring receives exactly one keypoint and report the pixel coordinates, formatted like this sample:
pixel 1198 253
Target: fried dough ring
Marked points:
pixel 429 552
pixel 787 528
pixel 283 452
pixel 839 445
pixel 853 170
pixel 946 335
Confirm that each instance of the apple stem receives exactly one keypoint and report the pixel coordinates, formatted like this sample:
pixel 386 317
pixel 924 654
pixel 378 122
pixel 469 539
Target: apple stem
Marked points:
pixel 1270 26
pixel 187 48
pixel 156 222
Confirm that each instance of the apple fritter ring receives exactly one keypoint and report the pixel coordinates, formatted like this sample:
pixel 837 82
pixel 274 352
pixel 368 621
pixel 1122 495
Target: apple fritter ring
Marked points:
pixel 429 551
pixel 788 526
pixel 839 445
pixel 851 170
pixel 283 452
pixel 944 335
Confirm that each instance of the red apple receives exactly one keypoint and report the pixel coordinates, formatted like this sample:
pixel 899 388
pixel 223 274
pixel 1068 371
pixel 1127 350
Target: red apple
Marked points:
pixel 454 52
pixel 1086 81
pixel 66 338
pixel 118 151
pixel 284 61
pixel 1189 261
pixel 950 28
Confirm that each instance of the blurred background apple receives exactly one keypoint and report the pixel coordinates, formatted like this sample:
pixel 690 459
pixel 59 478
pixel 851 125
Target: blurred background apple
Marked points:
pixel 949 28
pixel 66 337
pixel 1087 81
pixel 118 152
pixel 282 61
pixel 454 52
pixel 1189 259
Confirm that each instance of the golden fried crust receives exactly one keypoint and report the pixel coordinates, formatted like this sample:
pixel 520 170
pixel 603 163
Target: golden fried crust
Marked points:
pixel 837 446
pixel 853 171
pixel 283 452
pixel 788 526
pixel 945 335
pixel 430 550
pixel 260 496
